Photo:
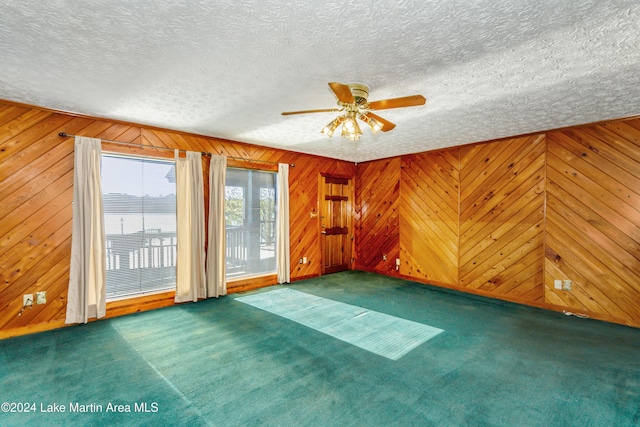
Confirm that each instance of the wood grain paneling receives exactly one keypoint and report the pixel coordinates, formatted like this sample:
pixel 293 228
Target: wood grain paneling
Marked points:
pixel 593 219
pixel 377 215
pixel 502 217
pixel 36 180
pixel 36 195
pixel 531 210
pixel 429 202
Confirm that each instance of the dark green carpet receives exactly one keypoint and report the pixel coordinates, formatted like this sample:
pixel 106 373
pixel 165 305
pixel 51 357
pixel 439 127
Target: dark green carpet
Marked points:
pixel 224 363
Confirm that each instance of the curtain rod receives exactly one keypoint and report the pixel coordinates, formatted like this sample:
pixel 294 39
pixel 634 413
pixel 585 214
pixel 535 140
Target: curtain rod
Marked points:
pixel 67 135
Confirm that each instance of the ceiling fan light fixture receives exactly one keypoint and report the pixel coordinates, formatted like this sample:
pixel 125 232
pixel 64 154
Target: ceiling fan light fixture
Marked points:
pixel 351 136
pixel 350 124
pixel 375 125
pixel 356 127
pixel 350 129
pixel 331 127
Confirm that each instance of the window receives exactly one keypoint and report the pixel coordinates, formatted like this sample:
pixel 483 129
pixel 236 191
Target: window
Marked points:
pixel 139 199
pixel 250 215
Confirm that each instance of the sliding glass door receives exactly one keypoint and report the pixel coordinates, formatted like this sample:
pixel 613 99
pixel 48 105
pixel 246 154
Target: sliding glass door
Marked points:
pixel 139 197
pixel 250 215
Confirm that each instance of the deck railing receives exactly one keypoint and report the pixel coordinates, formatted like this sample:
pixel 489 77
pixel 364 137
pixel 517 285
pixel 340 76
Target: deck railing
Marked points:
pixel 145 261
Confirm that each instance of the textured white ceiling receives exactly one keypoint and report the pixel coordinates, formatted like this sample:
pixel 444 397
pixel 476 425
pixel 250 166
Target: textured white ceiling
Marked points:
pixel 226 68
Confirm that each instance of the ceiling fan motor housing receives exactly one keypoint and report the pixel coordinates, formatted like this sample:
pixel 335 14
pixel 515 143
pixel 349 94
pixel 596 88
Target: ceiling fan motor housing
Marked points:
pixel 360 92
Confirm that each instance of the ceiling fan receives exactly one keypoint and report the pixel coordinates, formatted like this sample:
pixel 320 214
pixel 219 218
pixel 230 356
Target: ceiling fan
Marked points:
pixel 353 104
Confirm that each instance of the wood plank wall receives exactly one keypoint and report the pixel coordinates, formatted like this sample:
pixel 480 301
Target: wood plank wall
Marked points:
pixel 429 205
pixel 593 219
pixel 528 211
pixel 562 205
pixel 502 216
pixel 36 178
pixel 377 215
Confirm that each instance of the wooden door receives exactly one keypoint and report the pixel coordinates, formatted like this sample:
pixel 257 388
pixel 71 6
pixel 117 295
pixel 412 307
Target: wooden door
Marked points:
pixel 336 234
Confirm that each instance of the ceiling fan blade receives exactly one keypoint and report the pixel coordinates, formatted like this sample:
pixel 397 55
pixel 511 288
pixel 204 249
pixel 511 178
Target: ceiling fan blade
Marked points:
pixel 325 110
pixel 386 124
pixel 406 101
pixel 342 92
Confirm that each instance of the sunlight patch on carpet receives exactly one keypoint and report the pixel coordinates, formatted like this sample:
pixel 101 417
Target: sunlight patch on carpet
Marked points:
pixel 379 333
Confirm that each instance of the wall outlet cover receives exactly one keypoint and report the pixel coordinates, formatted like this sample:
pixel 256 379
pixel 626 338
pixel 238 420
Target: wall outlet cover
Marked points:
pixel 557 284
pixel 27 300
pixel 41 297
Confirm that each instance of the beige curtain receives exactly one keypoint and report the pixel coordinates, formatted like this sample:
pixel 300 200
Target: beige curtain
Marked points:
pixel 88 271
pixel 282 245
pixel 216 257
pixel 190 263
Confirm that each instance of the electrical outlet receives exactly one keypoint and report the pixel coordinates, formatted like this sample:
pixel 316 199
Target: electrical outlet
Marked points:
pixel 566 285
pixel 305 260
pixel 557 284
pixel 27 300
pixel 384 257
pixel 397 262
pixel 41 297
pixel 300 262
